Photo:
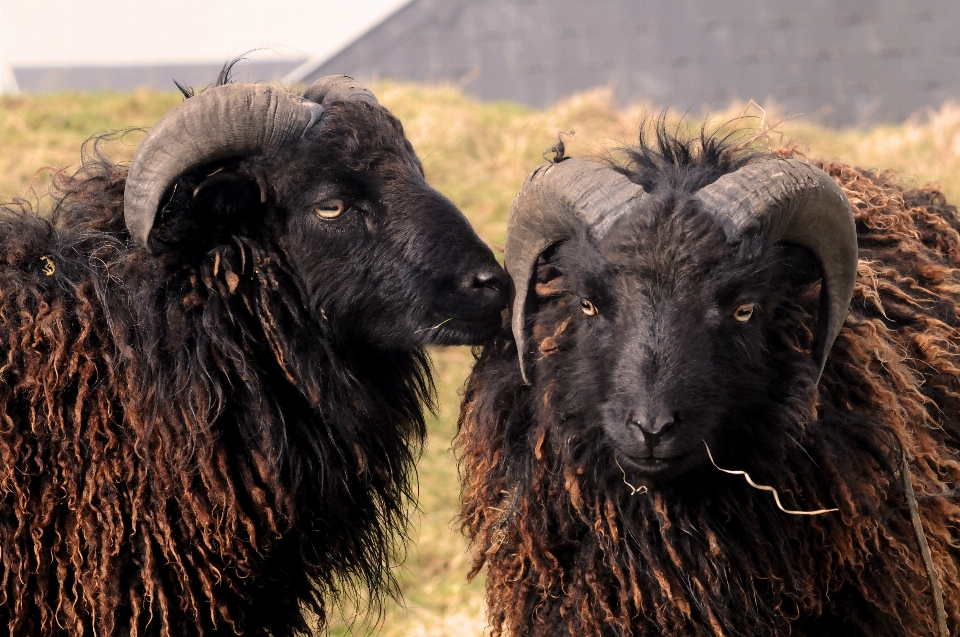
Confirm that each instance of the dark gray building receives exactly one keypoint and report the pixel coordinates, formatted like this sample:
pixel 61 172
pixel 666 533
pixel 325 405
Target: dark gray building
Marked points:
pixel 50 79
pixel 838 61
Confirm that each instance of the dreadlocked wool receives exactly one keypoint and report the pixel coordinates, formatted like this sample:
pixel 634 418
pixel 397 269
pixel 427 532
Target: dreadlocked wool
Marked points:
pixel 572 547
pixel 183 452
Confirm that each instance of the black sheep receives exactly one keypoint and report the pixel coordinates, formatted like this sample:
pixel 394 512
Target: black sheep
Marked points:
pixel 684 304
pixel 213 367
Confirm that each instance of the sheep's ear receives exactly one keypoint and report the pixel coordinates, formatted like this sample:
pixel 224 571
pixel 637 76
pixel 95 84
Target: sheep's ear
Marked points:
pixel 227 195
pixel 800 266
pixel 202 212
pixel 548 278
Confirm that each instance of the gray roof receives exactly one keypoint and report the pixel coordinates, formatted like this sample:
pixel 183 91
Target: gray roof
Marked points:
pixel 839 61
pixel 49 79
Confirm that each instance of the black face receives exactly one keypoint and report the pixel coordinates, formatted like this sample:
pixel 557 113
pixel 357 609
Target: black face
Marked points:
pixel 379 249
pixel 381 255
pixel 660 334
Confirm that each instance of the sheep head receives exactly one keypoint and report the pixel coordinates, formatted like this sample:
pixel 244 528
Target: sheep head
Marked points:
pixel 329 182
pixel 654 310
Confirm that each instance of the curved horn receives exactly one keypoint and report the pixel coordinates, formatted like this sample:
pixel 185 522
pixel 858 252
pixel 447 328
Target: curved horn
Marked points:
pixel 338 87
pixel 794 202
pixel 552 200
pixel 225 121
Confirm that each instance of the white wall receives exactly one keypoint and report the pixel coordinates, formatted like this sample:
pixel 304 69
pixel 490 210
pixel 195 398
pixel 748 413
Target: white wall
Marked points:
pixel 118 32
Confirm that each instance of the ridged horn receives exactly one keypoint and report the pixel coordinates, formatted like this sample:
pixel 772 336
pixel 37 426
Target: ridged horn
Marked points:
pixel 234 120
pixel 553 199
pixel 794 202
pixel 338 87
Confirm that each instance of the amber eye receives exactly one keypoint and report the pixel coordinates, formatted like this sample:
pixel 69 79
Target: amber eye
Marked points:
pixel 331 208
pixel 743 312
pixel 588 308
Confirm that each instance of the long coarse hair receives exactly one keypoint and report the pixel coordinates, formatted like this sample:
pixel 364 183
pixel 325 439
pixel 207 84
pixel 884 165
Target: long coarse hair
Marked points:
pixel 186 449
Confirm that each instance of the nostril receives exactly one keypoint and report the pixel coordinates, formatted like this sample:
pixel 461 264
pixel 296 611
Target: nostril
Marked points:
pixel 663 421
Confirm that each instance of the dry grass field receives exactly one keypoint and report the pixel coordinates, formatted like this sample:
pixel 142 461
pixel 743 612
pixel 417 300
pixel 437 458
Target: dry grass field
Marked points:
pixel 478 154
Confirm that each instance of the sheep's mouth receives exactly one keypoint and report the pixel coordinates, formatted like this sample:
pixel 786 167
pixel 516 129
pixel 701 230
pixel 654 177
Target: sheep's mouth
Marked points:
pixel 461 331
pixel 661 467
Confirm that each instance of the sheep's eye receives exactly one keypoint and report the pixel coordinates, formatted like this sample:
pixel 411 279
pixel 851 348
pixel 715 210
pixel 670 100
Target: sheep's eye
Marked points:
pixel 331 208
pixel 588 308
pixel 743 312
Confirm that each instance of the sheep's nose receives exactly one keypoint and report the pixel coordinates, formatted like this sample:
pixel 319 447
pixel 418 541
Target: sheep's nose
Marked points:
pixel 487 278
pixel 489 283
pixel 653 426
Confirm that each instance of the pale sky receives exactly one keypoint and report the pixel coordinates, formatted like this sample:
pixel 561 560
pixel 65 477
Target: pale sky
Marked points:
pixel 72 32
